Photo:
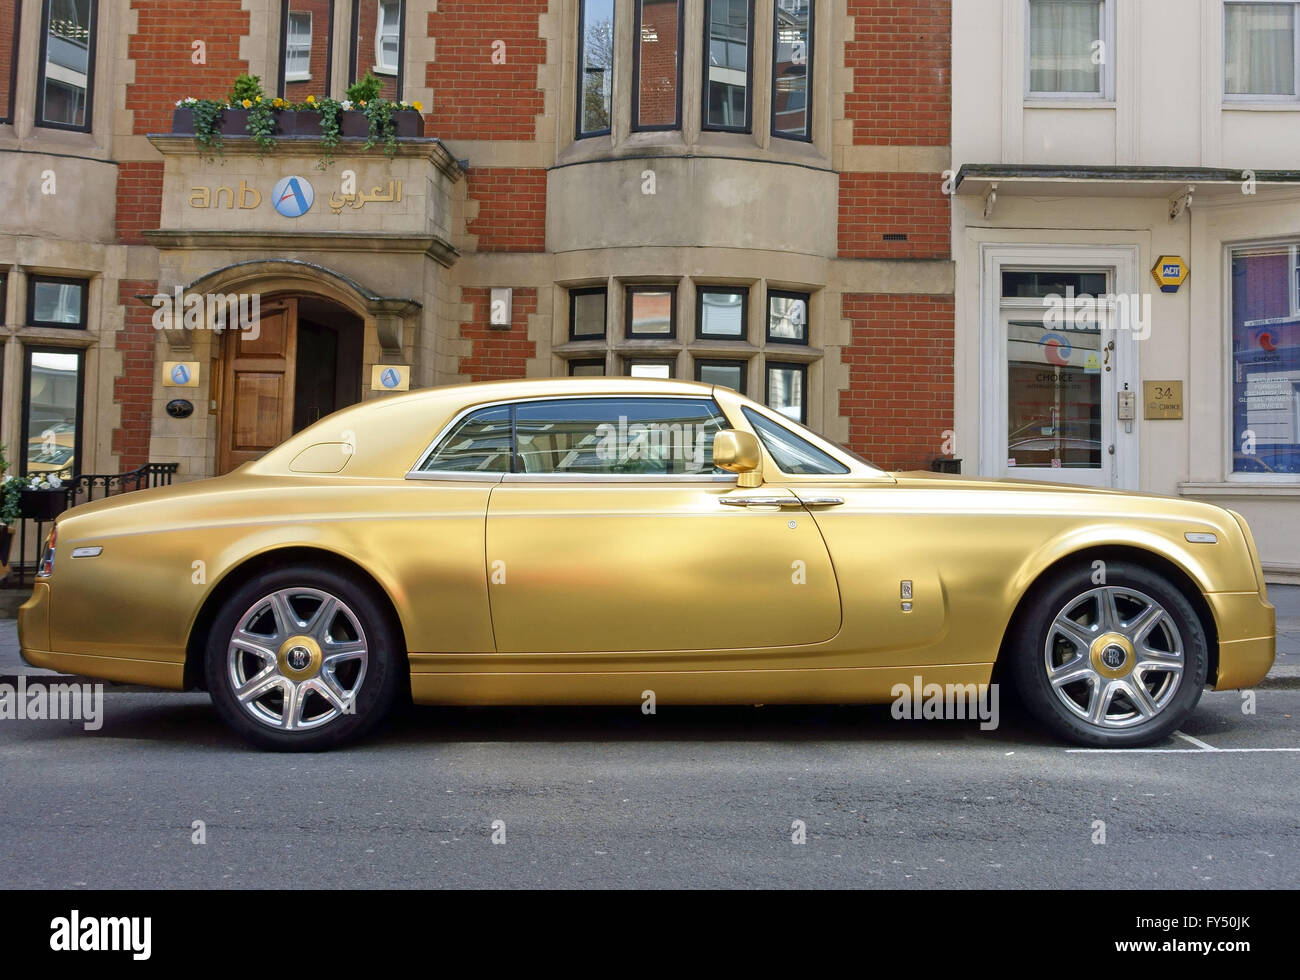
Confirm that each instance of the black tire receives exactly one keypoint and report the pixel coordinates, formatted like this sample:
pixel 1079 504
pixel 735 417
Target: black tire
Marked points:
pixel 1030 656
pixel 371 682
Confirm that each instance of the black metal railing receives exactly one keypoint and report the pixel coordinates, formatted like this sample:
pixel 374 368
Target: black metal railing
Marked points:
pixel 28 534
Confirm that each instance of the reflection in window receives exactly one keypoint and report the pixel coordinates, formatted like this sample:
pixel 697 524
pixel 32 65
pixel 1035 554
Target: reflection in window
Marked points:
pixel 10 21
pixel 55 302
pixel 791 453
pixel 587 313
pixel 1064 57
pixel 388 36
pixel 52 402
pixel 722 313
pixel 377 36
pixel 649 367
pixel 727 374
pixel 1259 49
pixel 651 311
pixel 595 66
pixel 1265 361
pixel 67 44
pixel 787 317
pixel 587 368
pixel 297 46
pixel 658 50
pixel 786 389
pixel 727 74
pixel 791 69
pixel 480 443
pixel 617 435
pixel 1054 396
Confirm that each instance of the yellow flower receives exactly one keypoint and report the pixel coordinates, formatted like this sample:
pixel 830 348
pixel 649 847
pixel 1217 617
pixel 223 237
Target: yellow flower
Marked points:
pixel 363 101
pixel 418 107
pixel 278 103
pixel 259 98
pixel 246 104
pixel 311 99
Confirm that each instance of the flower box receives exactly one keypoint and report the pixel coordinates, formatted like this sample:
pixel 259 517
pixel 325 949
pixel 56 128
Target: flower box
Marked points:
pixel 42 505
pixel 353 124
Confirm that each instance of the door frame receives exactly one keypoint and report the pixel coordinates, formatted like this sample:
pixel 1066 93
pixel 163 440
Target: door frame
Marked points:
pixel 1121 261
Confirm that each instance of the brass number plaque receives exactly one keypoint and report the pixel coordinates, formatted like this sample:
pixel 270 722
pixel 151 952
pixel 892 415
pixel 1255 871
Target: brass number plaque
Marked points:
pixel 1162 399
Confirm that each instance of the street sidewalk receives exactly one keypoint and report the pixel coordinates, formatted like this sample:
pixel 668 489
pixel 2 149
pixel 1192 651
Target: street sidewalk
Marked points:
pixel 1285 672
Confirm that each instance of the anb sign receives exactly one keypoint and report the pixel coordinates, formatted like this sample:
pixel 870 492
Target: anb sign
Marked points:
pixel 1169 272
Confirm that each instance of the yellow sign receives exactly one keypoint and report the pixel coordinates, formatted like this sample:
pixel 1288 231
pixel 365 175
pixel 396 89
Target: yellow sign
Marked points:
pixel 181 374
pixel 340 200
pixel 390 377
pixel 1169 272
pixel 1162 399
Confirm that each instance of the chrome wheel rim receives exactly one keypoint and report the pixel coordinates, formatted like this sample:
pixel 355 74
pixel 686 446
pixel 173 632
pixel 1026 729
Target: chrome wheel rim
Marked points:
pixel 1114 657
pixel 297 659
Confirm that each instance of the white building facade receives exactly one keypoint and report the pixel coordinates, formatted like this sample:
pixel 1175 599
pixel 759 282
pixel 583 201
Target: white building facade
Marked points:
pixel 1126 232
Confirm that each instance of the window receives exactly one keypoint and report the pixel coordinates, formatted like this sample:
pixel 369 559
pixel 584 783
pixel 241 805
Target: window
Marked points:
pixel 791 453
pixel 1069 49
pixel 651 312
pixel 587 313
pixel 595 66
pixel 721 314
pixel 728 69
pixel 52 388
pixel 56 302
pixel 307 27
pixel 1259 51
pixel 480 443
pixel 649 367
pixel 378 32
pixel 787 317
pixel 628 435
pixel 1265 362
pixel 728 374
pixel 67 65
pixel 657 64
pixel 590 367
pixel 787 390
pixel 10 20
pixel 297 46
pixel 791 69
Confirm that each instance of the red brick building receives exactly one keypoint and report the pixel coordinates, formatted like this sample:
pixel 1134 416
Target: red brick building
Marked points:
pixel 749 192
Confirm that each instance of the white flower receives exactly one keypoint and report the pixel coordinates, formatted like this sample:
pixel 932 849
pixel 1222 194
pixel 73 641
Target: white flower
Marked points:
pixel 347 105
pixel 55 483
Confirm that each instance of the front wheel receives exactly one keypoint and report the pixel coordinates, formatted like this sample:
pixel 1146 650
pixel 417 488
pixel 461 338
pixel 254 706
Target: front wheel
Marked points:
pixel 302 659
pixel 1112 660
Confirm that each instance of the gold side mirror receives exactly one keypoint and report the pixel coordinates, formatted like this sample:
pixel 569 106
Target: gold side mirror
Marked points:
pixel 739 453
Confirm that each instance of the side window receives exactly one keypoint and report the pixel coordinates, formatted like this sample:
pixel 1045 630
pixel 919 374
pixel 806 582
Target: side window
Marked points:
pixel 792 454
pixel 628 435
pixel 480 443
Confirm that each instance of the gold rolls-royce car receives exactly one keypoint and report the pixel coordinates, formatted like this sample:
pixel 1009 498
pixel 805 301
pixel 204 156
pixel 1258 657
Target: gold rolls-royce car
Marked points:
pixel 586 541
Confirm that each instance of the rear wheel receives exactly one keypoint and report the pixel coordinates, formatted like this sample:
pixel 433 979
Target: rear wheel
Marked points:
pixel 1117 662
pixel 302 659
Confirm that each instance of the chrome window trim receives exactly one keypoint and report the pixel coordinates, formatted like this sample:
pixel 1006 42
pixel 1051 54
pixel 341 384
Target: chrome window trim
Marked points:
pixel 415 473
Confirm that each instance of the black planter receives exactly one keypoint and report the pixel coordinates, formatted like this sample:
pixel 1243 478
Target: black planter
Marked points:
pixel 6 540
pixel 42 505
pixel 408 124
pixel 304 123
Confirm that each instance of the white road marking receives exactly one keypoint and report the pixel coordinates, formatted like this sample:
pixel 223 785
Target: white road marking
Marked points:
pixel 1197 742
pixel 1201 748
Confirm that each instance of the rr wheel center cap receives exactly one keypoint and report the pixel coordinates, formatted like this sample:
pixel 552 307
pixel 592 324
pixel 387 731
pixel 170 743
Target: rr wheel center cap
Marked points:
pixel 1112 655
pixel 299 658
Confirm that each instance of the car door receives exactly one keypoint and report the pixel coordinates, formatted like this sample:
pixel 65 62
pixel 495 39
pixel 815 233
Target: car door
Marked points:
pixel 615 533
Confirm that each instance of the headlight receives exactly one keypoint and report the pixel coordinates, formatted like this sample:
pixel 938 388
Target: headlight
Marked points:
pixel 46 567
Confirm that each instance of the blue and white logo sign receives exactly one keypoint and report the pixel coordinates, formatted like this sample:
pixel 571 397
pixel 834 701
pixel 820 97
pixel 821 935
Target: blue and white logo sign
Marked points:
pixel 390 378
pixel 293 196
pixel 181 374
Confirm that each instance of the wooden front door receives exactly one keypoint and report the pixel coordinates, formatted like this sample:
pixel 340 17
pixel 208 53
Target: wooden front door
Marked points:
pixel 257 385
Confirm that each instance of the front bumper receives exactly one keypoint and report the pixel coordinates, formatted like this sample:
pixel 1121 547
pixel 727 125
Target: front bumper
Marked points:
pixel 1247 638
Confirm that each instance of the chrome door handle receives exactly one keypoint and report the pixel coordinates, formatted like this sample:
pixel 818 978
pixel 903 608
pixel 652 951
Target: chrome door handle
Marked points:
pixel 822 501
pixel 759 501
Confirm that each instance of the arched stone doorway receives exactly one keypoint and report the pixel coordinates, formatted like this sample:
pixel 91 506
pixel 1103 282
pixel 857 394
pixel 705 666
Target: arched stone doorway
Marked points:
pixel 300 362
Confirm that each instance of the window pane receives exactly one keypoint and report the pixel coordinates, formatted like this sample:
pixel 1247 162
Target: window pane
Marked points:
pixel 53 384
pixel 479 443
pixel 376 42
pixel 791 69
pixel 722 373
pixel 722 314
pixel 650 313
pixel 618 435
pixel 658 51
pixel 649 369
pixel 726 87
pixel 588 314
pixel 1265 361
pixel 54 302
pixel 787 317
pixel 790 452
pixel 8 56
pixel 1053 396
pixel 785 390
pixel 1259 49
pixel 1038 284
pixel 67 62
pixel 1062 34
pixel 586 369
pixel 388 34
pixel 596 67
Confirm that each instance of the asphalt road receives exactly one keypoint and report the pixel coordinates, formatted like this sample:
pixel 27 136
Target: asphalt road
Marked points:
pixel 686 798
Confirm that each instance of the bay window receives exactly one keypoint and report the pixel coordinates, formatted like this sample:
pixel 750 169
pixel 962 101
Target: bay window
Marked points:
pixel 791 69
pixel 595 66
pixel 728 65
pixel 657 64
pixel 65 84
pixel 1259 51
